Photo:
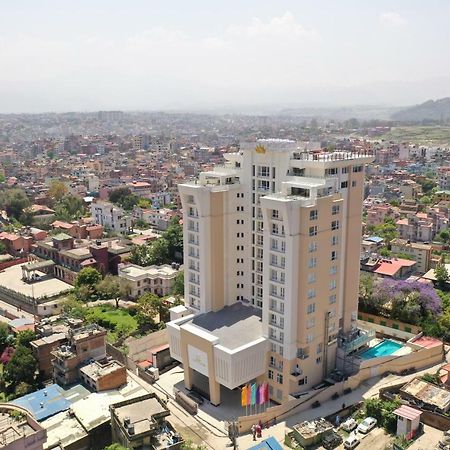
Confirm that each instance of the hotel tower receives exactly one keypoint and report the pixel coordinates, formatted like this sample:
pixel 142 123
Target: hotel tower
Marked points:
pixel 271 258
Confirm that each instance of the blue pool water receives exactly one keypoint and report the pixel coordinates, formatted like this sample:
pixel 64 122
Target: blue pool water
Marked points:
pixel 385 348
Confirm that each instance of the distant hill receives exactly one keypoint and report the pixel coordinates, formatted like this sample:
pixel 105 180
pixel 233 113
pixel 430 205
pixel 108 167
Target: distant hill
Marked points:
pixel 433 110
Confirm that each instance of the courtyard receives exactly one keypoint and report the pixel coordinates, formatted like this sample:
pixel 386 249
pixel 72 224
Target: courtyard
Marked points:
pixel 47 286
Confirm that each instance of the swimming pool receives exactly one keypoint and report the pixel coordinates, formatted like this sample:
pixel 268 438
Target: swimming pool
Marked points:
pixel 385 348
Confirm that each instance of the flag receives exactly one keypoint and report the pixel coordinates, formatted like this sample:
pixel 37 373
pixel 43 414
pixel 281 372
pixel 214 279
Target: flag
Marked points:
pixel 244 396
pixel 261 394
pixel 249 394
pixel 266 392
pixel 254 394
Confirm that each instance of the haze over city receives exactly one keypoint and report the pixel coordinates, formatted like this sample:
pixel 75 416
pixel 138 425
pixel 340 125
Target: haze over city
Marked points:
pixel 198 55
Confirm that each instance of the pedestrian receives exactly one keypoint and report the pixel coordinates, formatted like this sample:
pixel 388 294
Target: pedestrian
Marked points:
pixel 260 424
pixel 343 405
pixel 258 431
pixel 254 432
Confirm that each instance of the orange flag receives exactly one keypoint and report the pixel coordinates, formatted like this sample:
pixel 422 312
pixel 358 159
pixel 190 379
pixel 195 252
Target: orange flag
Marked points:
pixel 244 396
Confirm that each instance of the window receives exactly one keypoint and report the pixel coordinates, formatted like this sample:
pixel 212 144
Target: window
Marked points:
pixel 332 299
pixel 335 225
pixel 333 284
pixel 310 323
pixel 311 293
pixel 263 171
pixel 312 262
pixel 319 348
pixel 303 381
pixel 270 375
pixel 318 360
pixel 334 255
pixel 333 270
pixel 311 277
pixel 357 169
pixel 313 214
pixel 345 170
pixel 353 183
pixel 313 231
pixel 312 247
pixel 280 378
pixel 334 240
pixel 275 214
pixel 344 184
pixel 311 308
pixel 335 209
pixel 274 228
pixel 309 338
pixel 331 171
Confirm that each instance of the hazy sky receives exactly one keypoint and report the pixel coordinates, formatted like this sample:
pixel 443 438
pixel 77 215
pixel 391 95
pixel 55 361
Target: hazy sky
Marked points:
pixel 60 55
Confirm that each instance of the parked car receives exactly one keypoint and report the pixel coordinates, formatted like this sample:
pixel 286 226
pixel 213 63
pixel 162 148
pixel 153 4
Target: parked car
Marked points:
pixel 331 441
pixel 196 397
pixel 367 424
pixel 351 442
pixel 349 425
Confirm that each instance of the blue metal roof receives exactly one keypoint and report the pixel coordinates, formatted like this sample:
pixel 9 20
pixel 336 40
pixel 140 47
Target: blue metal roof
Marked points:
pixel 51 400
pixel 268 444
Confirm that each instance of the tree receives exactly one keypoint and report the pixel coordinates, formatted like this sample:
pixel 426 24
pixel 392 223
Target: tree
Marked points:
pixel 178 284
pixel 144 203
pixel 441 275
pixel 2 248
pixel 72 307
pixel 22 389
pixel 111 288
pixel 69 208
pixel 385 252
pixel 117 195
pixel 14 201
pixel 88 277
pixel 444 236
pixel 189 445
pixel 116 447
pixel 174 237
pixel 25 337
pixel 21 368
pixel 4 333
pixel 57 191
pixel 425 200
pixel 148 307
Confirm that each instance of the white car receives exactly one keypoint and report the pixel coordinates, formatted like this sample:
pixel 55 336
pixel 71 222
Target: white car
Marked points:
pixel 351 442
pixel 367 424
pixel 349 425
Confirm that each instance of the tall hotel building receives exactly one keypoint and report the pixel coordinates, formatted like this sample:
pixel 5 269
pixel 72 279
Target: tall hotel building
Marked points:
pixel 271 251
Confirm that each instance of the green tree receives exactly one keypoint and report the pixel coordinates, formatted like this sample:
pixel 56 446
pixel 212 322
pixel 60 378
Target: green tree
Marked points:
pixel 117 195
pixel 111 287
pixel 4 333
pixel 425 200
pixel 441 274
pixel 24 338
pixel 72 307
pixel 174 237
pixel 21 368
pixel 22 389
pixel 385 252
pixel 444 236
pixel 88 277
pixel 144 203
pixel 14 201
pixel 2 248
pixel 69 208
pixel 178 284
pixel 148 308
pixel 116 447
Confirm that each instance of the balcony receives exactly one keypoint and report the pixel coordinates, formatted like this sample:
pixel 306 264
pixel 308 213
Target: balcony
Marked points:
pixel 276 324
pixel 277 280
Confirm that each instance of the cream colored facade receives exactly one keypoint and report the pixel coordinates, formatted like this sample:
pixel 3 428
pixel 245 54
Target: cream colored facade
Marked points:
pixel 418 251
pixel 279 230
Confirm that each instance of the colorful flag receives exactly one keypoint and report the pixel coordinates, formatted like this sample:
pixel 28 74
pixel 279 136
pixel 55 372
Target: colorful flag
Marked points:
pixel 266 392
pixel 244 396
pixel 249 394
pixel 254 394
pixel 261 394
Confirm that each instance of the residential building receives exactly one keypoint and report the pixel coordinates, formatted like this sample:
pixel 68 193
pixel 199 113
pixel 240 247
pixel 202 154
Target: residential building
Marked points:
pixel 42 349
pixel 157 280
pixel 272 243
pixel 103 376
pixel 19 430
pixel 421 253
pixel 84 344
pixel 444 178
pixel 141 423
pixel 111 217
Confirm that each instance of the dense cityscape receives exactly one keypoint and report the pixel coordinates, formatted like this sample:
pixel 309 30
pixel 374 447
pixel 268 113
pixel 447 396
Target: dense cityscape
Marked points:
pixel 224 225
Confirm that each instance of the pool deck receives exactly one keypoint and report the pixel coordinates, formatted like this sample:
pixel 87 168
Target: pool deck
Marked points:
pixel 404 350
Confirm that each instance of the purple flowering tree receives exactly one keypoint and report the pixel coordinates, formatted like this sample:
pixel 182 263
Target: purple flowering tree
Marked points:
pixel 408 301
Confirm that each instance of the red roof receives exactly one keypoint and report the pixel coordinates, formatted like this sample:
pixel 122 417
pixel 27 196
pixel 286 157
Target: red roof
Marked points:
pixel 392 266
pixel 407 412
pixel 427 342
